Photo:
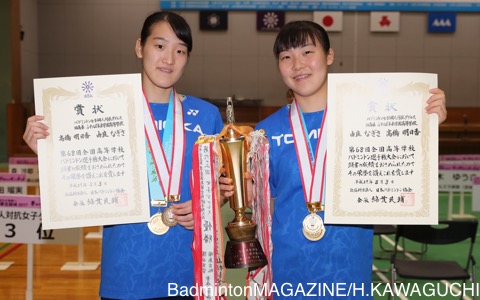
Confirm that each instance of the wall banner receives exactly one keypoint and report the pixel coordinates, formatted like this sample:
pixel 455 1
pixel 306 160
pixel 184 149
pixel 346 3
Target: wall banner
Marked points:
pixel 346 5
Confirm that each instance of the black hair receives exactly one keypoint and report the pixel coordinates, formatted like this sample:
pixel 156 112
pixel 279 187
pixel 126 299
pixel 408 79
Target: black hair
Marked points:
pixel 179 26
pixel 297 33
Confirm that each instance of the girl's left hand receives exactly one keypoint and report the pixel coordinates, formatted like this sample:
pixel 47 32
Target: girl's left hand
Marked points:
pixel 437 104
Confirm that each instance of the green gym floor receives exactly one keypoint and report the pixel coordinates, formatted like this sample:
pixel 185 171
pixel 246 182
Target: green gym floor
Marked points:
pixel 416 289
pixel 458 252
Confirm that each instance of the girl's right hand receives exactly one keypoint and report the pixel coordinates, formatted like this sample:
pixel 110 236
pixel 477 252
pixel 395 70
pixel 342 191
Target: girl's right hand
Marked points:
pixel 34 131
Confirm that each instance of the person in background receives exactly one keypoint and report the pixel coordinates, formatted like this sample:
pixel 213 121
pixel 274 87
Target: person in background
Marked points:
pixel 140 260
pixel 344 253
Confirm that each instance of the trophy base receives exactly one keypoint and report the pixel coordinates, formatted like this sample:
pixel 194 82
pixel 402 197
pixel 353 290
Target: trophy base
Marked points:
pixel 244 254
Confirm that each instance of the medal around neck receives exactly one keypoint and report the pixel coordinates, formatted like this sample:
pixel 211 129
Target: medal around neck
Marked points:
pixel 156 224
pixel 312 168
pixel 167 158
pixel 313 228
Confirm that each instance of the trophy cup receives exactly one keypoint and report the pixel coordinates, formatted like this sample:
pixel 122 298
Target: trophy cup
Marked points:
pixel 243 250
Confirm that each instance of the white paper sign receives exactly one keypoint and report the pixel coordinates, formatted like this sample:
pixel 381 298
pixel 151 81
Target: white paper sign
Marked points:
pixel 13 183
pixel 457 176
pixel 21 222
pixel 382 155
pixel 29 167
pixel 93 163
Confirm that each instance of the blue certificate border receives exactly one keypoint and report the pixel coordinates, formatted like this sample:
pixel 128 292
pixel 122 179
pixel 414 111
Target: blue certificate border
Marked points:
pixel 299 5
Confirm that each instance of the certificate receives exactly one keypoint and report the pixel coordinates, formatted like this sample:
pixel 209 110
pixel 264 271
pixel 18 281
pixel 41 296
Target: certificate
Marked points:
pixel 382 149
pixel 93 164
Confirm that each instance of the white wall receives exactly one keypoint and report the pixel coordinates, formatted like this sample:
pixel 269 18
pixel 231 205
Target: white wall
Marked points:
pixel 87 37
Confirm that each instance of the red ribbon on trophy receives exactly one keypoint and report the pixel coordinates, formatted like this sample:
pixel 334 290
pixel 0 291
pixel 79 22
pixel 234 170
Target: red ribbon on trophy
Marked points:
pixel 209 270
pixel 236 151
pixel 260 280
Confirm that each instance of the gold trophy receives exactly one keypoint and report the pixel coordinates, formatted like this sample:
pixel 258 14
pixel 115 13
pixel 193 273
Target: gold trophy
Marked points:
pixel 243 250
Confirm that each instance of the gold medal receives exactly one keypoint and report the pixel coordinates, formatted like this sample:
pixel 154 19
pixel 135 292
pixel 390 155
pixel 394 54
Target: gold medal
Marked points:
pixel 167 217
pixel 173 198
pixel 156 225
pixel 313 228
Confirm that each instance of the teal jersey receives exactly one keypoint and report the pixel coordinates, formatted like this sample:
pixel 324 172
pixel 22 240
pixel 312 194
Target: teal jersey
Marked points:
pixel 137 264
pixel 341 259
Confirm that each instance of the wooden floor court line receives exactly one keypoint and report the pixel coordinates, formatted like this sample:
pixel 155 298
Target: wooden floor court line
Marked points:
pixel 49 281
pixel 10 250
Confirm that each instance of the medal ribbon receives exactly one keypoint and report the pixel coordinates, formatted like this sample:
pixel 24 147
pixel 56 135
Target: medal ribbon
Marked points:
pixel 169 174
pixel 167 138
pixel 312 169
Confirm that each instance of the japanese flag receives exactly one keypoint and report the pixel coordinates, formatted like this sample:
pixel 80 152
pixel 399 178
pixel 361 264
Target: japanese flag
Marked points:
pixel 330 20
pixel 381 21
